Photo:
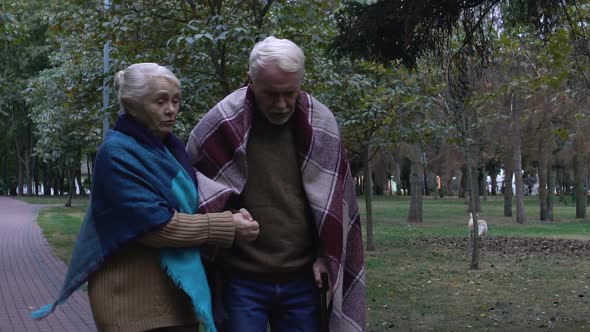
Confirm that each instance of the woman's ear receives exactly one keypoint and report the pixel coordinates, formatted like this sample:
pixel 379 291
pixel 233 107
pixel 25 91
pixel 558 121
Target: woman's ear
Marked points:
pixel 129 108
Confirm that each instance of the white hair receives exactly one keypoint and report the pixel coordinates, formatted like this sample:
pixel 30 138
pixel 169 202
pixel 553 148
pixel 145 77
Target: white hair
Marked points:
pixel 282 52
pixel 134 83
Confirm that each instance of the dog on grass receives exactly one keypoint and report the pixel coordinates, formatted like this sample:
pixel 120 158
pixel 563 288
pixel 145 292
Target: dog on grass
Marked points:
pixel 482 226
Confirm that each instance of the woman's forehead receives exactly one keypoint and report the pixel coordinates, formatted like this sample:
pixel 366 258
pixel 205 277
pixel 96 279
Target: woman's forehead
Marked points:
pixel 163 84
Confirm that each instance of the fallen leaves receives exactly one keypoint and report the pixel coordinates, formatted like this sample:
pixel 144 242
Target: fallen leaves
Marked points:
pixel 525 247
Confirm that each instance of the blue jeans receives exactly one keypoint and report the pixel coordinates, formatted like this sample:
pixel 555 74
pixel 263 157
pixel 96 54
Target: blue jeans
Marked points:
pixel 252 306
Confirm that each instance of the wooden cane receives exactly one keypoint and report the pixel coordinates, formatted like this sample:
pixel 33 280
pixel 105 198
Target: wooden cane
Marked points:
pixel 324 306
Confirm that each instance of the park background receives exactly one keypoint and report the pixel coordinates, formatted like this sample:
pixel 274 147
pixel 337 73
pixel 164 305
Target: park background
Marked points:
pixel 466 105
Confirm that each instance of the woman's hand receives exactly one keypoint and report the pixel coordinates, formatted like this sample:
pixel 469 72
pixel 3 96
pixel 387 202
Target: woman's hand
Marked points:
pixel 246 227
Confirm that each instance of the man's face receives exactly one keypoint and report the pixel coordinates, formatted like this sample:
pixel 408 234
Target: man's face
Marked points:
pixel 276 92
pixel 160 107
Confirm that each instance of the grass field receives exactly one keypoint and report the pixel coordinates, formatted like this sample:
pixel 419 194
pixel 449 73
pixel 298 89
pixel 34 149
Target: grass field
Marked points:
pixel 53 200
pixel 60 225
pixel 418 286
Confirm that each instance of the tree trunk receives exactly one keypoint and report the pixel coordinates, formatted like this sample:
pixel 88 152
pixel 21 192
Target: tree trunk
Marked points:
pixel 448 186
pixel 425 176
pixel 463 190
pixel 29 160
pixel 5 190
pixel 24 151
pixel 46 178
pixel 33 184
pixel 507 184
pixel 20 179
pixel 397 176
pixel 520 214
pixel 493 176
pixel 63 180
pixel 472 188
pixel 80 184
pixel 89 163
pixel 476 195
pixel 517 163
pixel 368 199
pixel 484 184
pixel 71 175
pixel 508 192
pixel 36 178
pixel 551 192
pixel 415 213
pixel 543 177
pixel 579 190
pixel 60 175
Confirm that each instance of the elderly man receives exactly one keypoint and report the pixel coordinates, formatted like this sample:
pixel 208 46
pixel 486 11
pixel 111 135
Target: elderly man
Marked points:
pixel 276 151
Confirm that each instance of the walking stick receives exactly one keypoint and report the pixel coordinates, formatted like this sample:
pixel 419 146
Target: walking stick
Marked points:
pixel 324 306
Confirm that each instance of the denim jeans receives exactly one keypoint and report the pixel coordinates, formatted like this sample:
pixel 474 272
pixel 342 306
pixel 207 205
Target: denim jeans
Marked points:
pixel 252 306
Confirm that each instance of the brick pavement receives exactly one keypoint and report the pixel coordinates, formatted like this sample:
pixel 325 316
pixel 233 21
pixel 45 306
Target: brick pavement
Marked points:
pixel 30 276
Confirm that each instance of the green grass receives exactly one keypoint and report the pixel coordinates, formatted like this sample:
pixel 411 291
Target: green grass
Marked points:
pixel 57 200
pixel 60 227
pixel 419 288
pixel 449 216
pixel 411 288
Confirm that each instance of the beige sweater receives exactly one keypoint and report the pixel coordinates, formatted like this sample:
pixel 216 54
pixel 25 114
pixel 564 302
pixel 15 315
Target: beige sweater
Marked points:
pixel 131 292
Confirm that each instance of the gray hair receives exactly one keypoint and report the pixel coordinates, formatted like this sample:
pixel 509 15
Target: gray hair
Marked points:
pixel 282 52
pixel 133 83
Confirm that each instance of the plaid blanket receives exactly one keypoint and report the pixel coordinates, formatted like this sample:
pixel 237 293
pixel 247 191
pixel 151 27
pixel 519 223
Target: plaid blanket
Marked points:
pixel 217 148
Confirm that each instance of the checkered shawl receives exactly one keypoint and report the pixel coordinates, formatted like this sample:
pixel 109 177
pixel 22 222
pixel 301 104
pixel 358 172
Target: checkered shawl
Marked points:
pixel 217 148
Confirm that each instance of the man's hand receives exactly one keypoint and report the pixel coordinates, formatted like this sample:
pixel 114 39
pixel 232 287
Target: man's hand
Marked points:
pixel 246 227
pixel 320 266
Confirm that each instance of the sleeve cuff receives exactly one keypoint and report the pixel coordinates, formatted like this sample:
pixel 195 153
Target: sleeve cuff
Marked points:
pixel 221 229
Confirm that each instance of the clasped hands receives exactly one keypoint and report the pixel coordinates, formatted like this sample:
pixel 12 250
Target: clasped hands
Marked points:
pixel 247 228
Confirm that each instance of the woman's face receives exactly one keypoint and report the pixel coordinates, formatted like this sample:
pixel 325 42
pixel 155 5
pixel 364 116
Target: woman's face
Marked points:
pixel 160 107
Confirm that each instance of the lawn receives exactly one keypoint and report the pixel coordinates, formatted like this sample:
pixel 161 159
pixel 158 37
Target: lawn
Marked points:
pixel 419 279
pixel 53 200
pixel 60 225
pixel 416 285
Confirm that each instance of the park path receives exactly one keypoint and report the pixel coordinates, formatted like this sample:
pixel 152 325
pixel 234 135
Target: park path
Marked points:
pixel 31 275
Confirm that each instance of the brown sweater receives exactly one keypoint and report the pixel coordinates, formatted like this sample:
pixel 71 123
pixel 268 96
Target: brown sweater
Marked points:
pixel 131 292
pixel 275 197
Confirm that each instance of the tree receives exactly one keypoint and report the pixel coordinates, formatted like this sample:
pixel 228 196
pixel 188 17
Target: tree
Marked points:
pixel 400 30
pixel 65 99
pixel 23 55
pixel 205 43
pixel 361 95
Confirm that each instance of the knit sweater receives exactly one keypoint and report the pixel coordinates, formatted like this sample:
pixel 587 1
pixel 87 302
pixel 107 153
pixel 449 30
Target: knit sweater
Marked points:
pixel 274 195
pixel 131 292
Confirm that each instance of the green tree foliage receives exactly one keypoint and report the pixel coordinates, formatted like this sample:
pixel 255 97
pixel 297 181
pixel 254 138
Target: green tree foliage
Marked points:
pixel 400 30
pixel 23 54
pixel 207 44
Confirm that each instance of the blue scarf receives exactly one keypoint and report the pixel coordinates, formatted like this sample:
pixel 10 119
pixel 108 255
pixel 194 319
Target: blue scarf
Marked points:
pixel 138 183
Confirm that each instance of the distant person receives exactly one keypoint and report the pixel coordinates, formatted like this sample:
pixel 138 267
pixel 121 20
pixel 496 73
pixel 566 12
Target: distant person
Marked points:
pixel 276 151
pixel 393 185
pixel 138 245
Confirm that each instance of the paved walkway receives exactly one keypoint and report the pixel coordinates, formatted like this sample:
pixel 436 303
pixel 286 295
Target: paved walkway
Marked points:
pixel 30 276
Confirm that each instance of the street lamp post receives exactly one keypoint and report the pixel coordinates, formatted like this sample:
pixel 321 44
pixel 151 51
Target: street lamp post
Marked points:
pixel 105 86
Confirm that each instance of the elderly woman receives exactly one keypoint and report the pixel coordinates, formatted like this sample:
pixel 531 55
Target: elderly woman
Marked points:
pixel 138 245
